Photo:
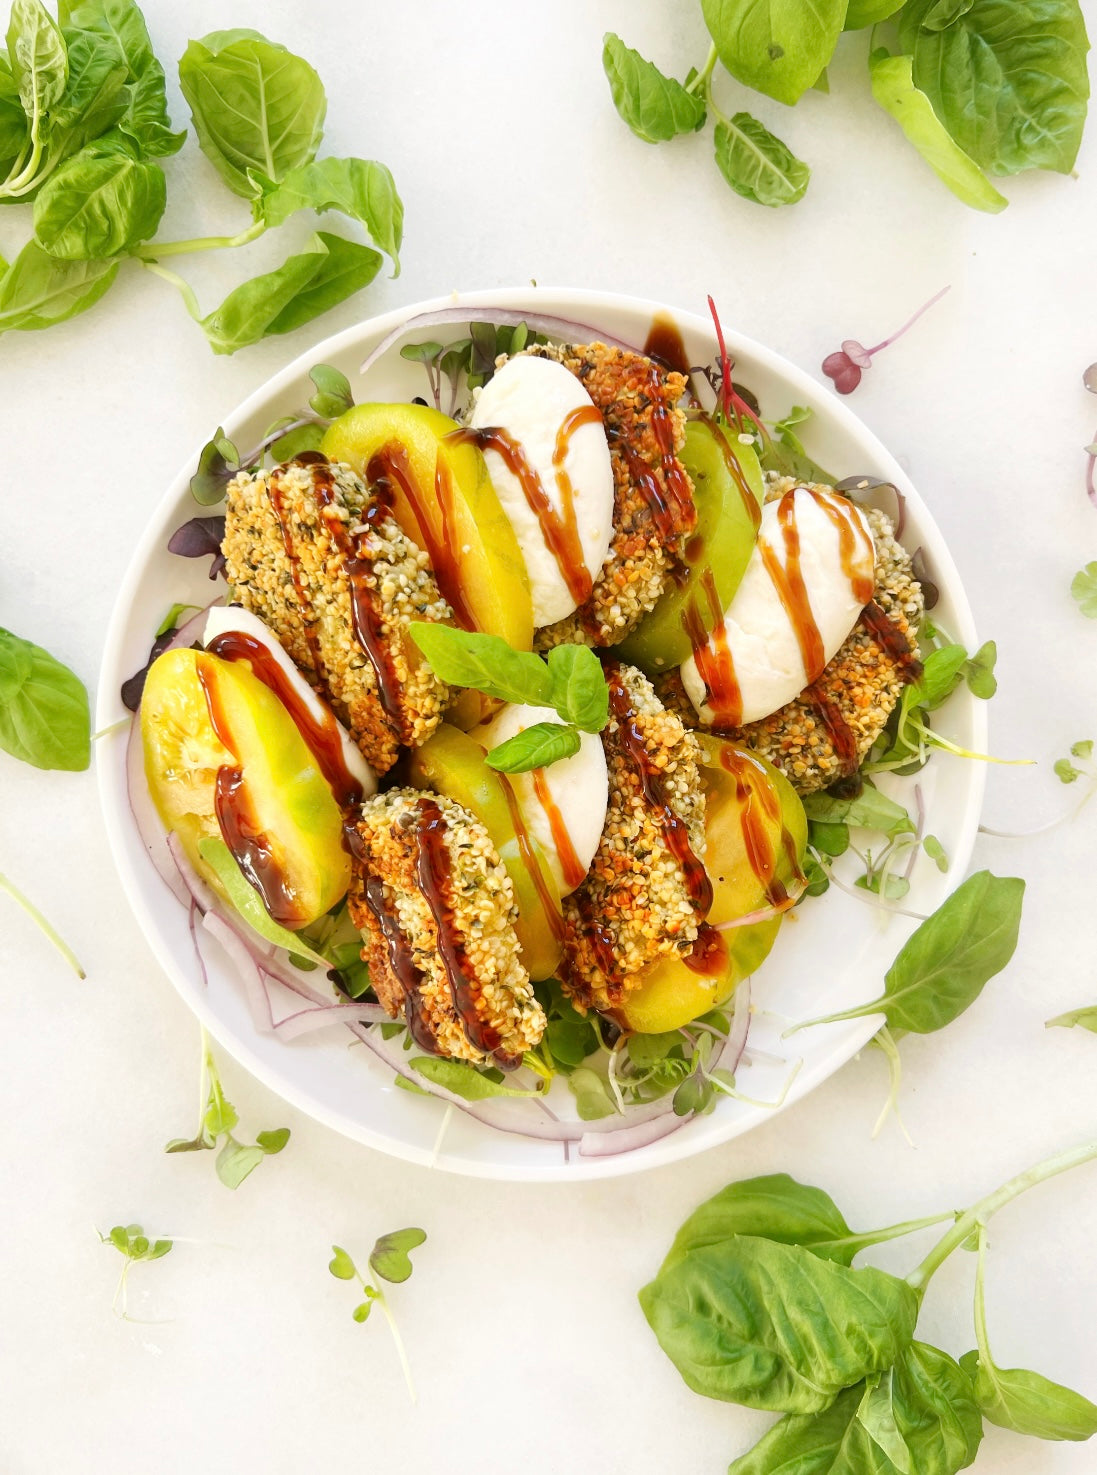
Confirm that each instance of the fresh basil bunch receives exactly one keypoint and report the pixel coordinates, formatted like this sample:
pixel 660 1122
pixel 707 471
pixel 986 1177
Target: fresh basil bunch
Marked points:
pixel 979 87
pixel 84 124
pixel 758 1303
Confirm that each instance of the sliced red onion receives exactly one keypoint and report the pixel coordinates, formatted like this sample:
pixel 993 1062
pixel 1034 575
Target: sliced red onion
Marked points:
pixel 506 317
pixel 250 974
pixel 145 818
pixel 305 1021
pixel 199 890
pixel 732 1053
pixel 763 914
pixel 630 1138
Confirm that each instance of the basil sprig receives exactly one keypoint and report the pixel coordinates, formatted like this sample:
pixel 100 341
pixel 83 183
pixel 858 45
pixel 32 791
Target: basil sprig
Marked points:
pixel 44 717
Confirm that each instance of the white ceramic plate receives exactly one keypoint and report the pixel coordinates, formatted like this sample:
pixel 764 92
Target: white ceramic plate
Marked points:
pixel 832 954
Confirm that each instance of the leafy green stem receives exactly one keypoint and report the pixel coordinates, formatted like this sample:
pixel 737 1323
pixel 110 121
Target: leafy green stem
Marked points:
pixel 43 925
pixel 976 1217
pixel 186 291
pixel 981 1338
pixel 700 83
pixel 155 249
pixel 401 1352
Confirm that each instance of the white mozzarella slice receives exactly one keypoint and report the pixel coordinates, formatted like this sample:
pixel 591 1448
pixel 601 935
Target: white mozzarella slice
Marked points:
pixel 544 413
pixel 808 579
pixel 225 619
pixel 564 807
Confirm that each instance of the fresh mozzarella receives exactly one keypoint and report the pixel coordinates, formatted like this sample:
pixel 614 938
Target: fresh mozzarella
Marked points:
pixel 568 814
pixel 808 579
pixel 543 412
pixel 223 619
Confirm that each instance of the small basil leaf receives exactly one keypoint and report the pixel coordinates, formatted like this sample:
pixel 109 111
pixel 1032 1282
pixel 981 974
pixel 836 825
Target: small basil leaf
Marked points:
pixel 772 1207
pixel 247 901
pixel 655 107
pixel 534 747
pixel 1076 1019
pixel 344 268
pixel 145 119
pixel 893 88
pixel 389 1257
pixel 779 47
pixel 870 810
pixel 773 1326
pixel 869 12
pixel 359 188
pixel 37 290
pixel 462 1079
pixel 1028 1403
pixel 757 164
pixel 44 717
pixel 39 57
pixel 255 106
pixel 99 204
pixel 1007 78
pixel 579 690
pixel 486 663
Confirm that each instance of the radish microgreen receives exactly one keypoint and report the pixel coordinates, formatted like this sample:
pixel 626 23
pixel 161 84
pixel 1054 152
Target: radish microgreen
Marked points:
pixel 389 1260
pixel 216 1120
pixel 133 1244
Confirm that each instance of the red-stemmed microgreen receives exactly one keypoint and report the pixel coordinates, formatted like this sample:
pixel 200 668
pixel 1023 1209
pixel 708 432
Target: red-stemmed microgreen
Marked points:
pixel 216 1119
pixel 133 1244
pixel 734 407
pixel 849 363
pixel 389 1260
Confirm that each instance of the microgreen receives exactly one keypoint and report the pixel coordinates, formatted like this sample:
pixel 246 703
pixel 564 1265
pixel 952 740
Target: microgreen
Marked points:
pixel 847 365
pixel 216 1119
pixel 133 1244
pixel 199 537
pixel 44 714
pixel 571 680
pixel 1083 588
pixel 389 1260
pixel 471 359
pixel 758 1303
pixel 46 928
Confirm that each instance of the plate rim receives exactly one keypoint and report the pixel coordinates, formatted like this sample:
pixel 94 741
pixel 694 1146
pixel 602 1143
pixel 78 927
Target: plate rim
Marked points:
pixel 702 1133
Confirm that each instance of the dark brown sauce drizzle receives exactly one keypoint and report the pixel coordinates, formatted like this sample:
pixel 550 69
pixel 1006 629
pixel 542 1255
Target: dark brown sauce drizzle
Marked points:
pixel 656 794
pixel 664 342
pixel 709 954
pixel 842 738
pixel 735 471
pixel 529 859
pixel 599 937
pixel 390 465
pixel 894 642
pixel 239 824
pixel 759 825
pixel 712 656
pixel 850 539
pixel 572 867
pixel 321 737
pixel 560 530
pixel 788 580
pixel 435 878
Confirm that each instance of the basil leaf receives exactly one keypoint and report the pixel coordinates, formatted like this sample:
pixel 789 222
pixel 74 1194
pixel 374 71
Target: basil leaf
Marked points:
pixel 773 1207
pixel 94 98
pixel 1007 78
pixel 99 204
pixel 461 1079
pixel 327 271
pixel 655 107
pixel 343 268
pixel 44 718
pixel 486 663
pixel 869 12
pixel 359 188
pixel 758 165
pixel 579 690
pixel 893 88
pixel 389 1256
pixel 13 120
pixel 932 1417
pixel 534 747
pixel 779 47
pixel 592 1099
pixel 39 57
pixel 943 966
pixel 248 903
pixel 1083 589
pixel 773 1326
pixel 1076 1018
pixel 255 106
pixel 1029 1403
pixel 870 810
pixel 145 118
pixel 37 291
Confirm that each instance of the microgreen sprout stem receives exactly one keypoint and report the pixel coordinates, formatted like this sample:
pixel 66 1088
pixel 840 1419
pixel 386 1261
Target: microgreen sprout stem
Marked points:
pixel 389 1260
pixel 884 1041
pixel 43 925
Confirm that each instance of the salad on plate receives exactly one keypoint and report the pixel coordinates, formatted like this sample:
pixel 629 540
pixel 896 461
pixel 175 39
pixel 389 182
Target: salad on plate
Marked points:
pixel 524 718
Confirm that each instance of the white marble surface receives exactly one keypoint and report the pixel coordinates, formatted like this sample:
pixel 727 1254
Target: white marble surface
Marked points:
pixel 527 1343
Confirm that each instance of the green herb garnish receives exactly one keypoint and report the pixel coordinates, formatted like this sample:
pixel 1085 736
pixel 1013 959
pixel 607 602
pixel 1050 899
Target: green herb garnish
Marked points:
pixel 133 1244
pixel 389 1260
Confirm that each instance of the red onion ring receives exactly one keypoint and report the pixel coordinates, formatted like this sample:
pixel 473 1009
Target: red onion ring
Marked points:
pixel 507 317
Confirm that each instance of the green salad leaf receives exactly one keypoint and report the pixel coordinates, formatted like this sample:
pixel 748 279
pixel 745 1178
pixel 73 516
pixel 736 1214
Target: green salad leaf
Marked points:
pixel 779 47
pixel 655 107
pixel 757 164
pixel 44 716
pixel 99 204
